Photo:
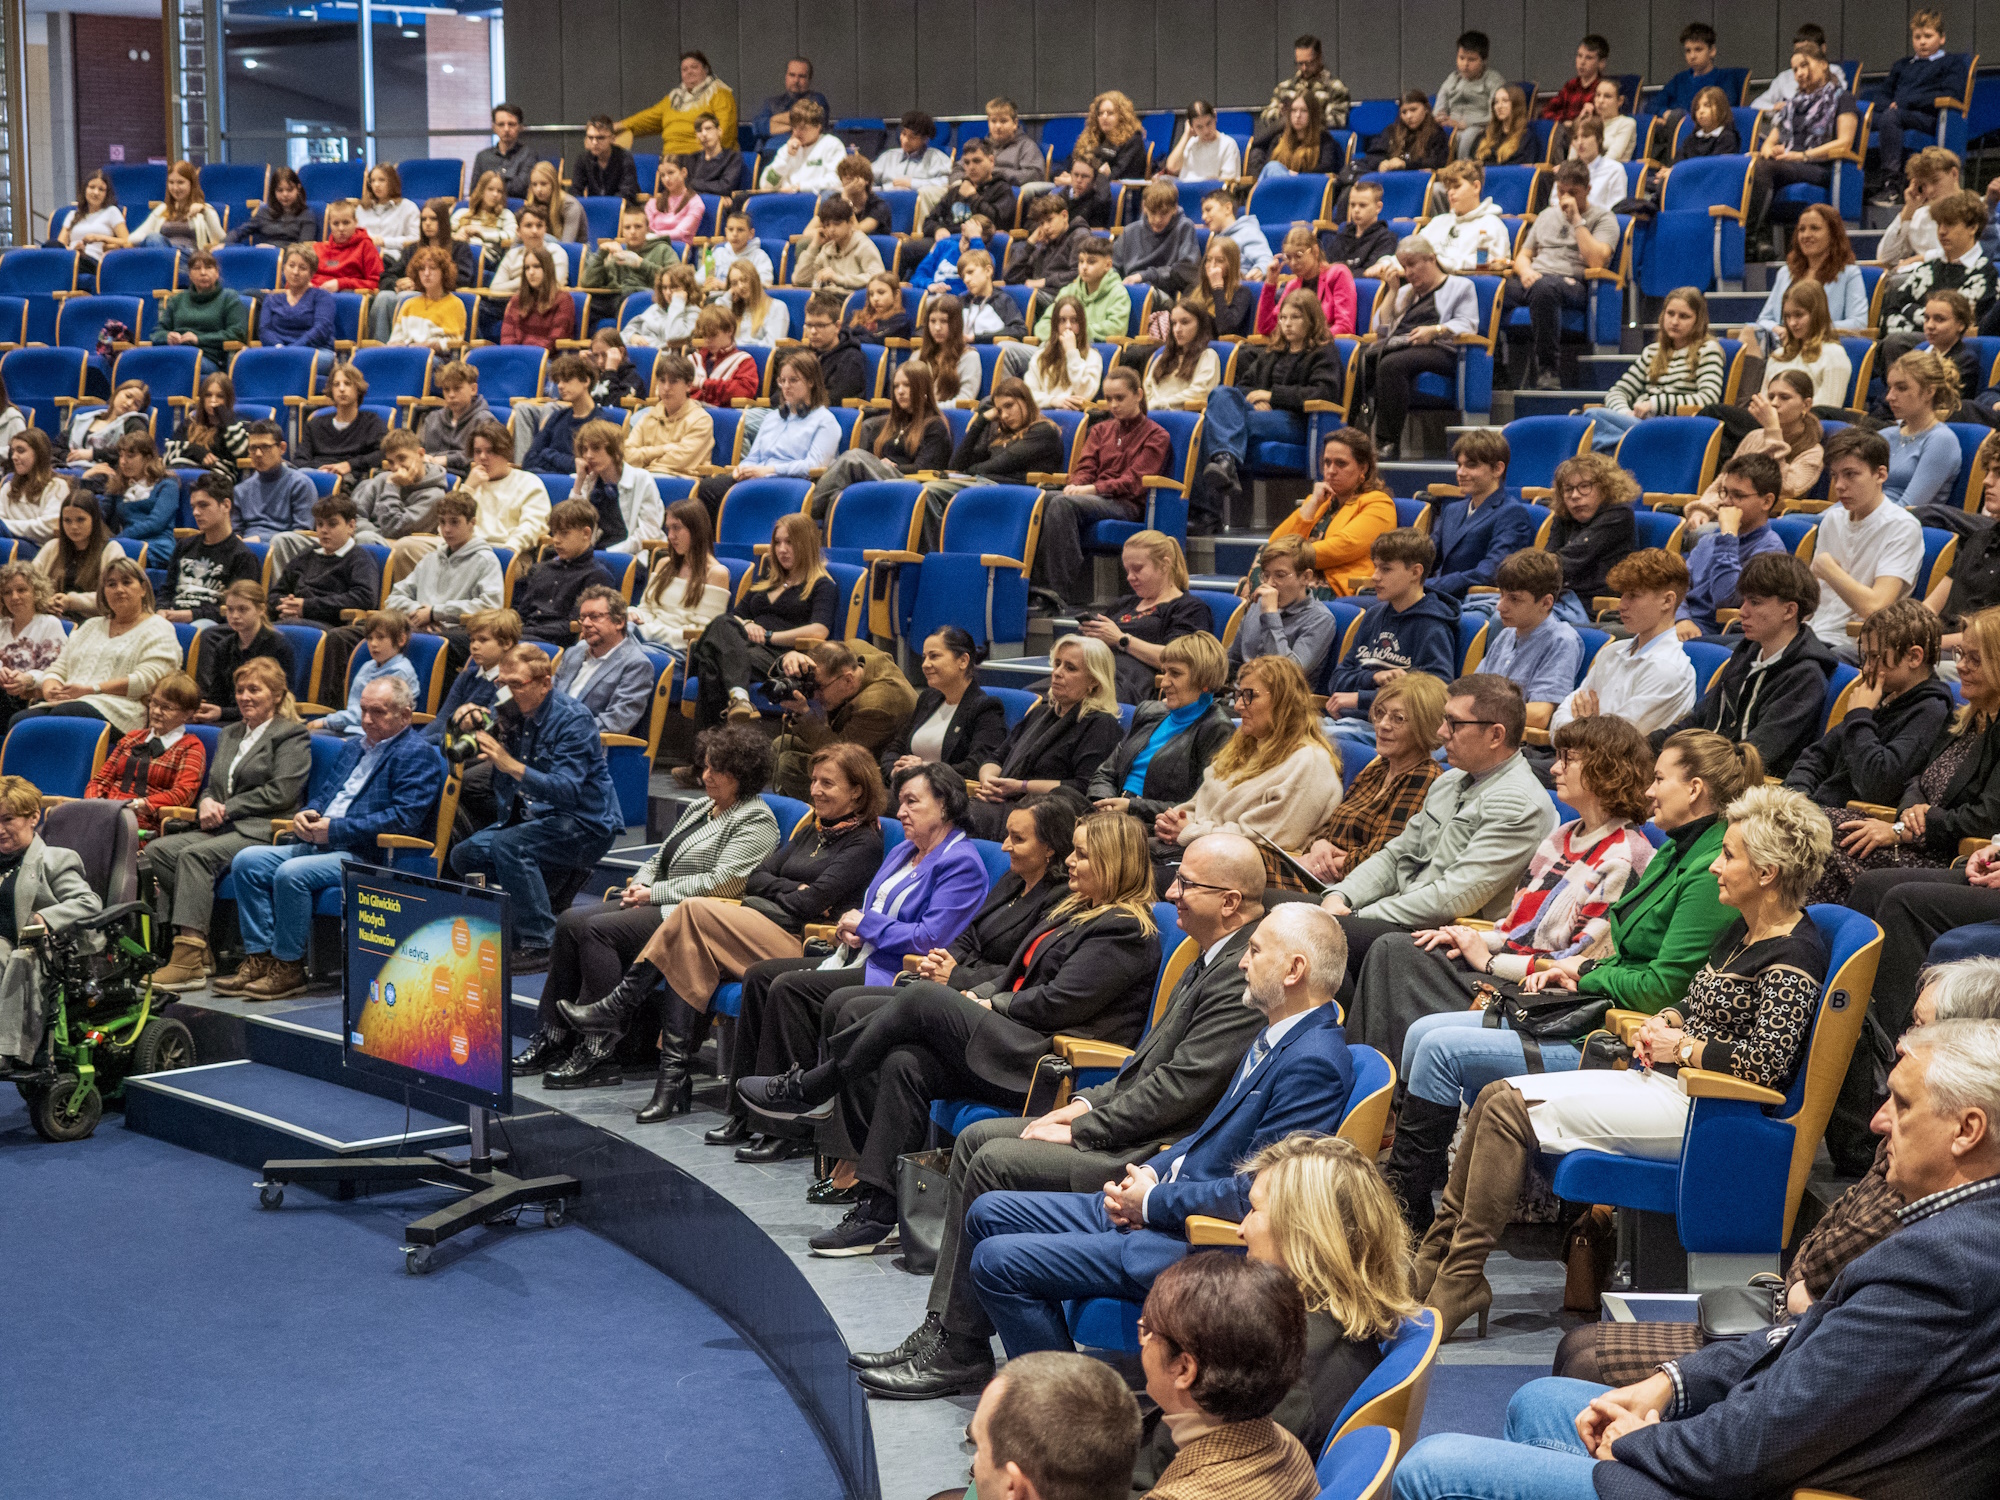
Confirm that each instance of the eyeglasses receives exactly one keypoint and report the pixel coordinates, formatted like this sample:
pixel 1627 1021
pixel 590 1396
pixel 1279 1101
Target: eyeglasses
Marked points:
pixel 1452 726
pixel 1390 720
pixel 1245 695
pixel 1195 885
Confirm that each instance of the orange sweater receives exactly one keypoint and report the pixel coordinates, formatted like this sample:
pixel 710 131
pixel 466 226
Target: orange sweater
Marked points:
pixel 1340 555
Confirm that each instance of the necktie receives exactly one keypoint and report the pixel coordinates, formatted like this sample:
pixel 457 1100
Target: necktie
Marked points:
pixel 1259 1050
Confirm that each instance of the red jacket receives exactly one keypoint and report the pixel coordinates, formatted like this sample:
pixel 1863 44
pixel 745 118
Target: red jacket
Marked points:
pixel 169 780
pixel 1568 101
pixel 721 378
pixel 1117 456
pixel 1337 299
pixel 353 267
pixel 557 321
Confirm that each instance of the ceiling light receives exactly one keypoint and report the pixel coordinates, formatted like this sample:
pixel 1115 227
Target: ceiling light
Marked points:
pixel 249 62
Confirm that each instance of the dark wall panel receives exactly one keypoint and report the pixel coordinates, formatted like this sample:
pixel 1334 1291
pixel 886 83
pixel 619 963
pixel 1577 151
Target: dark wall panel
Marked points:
pixel 1668 17
pixel 538 89
pixel 1244 53
pixel 827 35
pixel 589 32
pixel 767 34
pixel 1986 29
pixel 649 53
pixel 1123 53
pixel 1501 20
pixel 1003 53
pixel 1878 33
pixel 711 31
pixel 1552 29
pixel 1296 18
pixel 1430 27
pixel 1371 53
pixel 886 65
pixel 1184 52
pixel 1623 24
pixel 947 79
pixel 1065 78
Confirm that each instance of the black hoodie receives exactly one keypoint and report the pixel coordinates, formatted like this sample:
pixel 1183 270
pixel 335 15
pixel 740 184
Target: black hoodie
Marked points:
pixel 1779 710
pixel 846 370
pixel 1874 753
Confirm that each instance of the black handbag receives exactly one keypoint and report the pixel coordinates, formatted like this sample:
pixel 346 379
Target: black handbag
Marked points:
pixel 1552 1015
pixel 1729 1312
pixel 921 1179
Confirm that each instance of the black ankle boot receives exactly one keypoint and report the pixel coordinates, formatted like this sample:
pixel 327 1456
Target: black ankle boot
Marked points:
pixel 673 1089
pixel 1417 1162
pixel 616 1011
pixel 733 1131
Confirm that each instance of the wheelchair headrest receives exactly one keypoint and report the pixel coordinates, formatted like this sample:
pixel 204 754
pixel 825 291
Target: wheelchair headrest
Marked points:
pixel 105 836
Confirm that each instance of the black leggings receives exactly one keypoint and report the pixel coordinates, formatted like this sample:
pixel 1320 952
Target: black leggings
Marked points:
pixel 723 659
pixel 1396 373
pixel 594 946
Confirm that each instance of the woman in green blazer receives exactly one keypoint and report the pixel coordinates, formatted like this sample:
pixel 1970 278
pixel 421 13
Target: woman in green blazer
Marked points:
pixel 1661 933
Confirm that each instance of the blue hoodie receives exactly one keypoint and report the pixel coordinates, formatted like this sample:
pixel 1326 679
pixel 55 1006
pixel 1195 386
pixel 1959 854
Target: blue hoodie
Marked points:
pixel 1472 543
pixel 1422 638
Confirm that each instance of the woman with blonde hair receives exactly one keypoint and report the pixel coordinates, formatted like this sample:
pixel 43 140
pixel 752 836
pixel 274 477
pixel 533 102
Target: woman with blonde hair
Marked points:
pixel 486 218
pixel 1304 145
pixel 1275 779
pixel 1682 367
pixel 676 307
pixel 1748 1014
pixel 1407 715
pixel 1924 454
pixel 564 214
pixel 1113 138
pixel 933 1041
pixel 1061 741
pixel 111 661
pixel 760 319
pixel 1320 1210
pixel 1173 737
pixel 183 218
pixel 1811 344
pixel 792 603
pixel 1158 610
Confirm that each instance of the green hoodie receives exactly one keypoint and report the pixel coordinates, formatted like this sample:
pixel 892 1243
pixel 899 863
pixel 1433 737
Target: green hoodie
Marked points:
pixel 1107 311
pixel 215 317
pixel 1663 928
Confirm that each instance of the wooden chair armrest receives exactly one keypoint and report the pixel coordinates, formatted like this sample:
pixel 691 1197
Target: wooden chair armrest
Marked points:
pixel 280 827
pixel 1723 211
pixel 872 555
pixel 821 932
pixel 1444 492
pixel 349 616
pixel 1806 507
pixel 1701 1083
pixel 1477 924
pixel 189 813
pixel 1853 629
pixel 1161 482
pixel 1046 480
pixel 400 841
pixel 72 402
pixel 995 560
pixel 1313 406
pixel 1661 501
pixel 1536 492
pixel 1535 736
pixel 1594 273
pixel 1971 846
pixel 1728 616
pixel 1207 1230
pixel 704 470
pixel 1474 340
pixel 1949 101
pixel 614 741
pixel 316 710
pixel 1625 1024
pixel 912 962
pixel 1602 602
pixel 1874 810
pixel 422 718
pixel 1081 1052
pixel 1482 588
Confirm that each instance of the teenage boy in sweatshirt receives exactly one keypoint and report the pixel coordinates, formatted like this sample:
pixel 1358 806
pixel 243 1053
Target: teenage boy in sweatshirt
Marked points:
pixel 1895 714
pixel 1107 306
pixel 1772 690
pixel 460 578
pixel 1408 629
pixel 445 430
pixel 1045 257
pixel 397 500
pixel 348 259
pixel 545 597
pixel 1535 651
pixel 1645 677
pixel 978 191
pixel 1160 250
pixel 1465 98
pixel 553 449
pixel 1218 212
pixel 1750 485
pixel 1286 619
pixel 206 565
pixel 273 498
pixel 338 575
pixel 1364 240
pixel 841 361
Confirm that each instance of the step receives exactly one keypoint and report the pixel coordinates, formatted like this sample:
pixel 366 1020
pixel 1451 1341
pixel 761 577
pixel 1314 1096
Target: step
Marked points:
pixel 306 1041
pixel 1553 403
pixel 1016 672
pixel 1407 477
pixel 250 1113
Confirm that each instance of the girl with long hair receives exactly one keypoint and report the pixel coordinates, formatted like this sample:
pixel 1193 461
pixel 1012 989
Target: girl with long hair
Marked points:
pixel 34 492
pixel 1007 440
pixel 791 604
pixel 1113 138
pixel 911 437
pixel 1682 367
pixel 881 315
pixel 1507 137
pixel 541 312
pixel 955 371
pixel 1221 291
pixel 486 217
pixel 1184 369
pixel 183 219
pixel 97 223
pixel 1924 453
pixel 563 213
pixel 675 210
pixel 760 319
pixel 435 316
pixel 1819 249
pixel 1304 145
pixel 283 218
pixel 94 431
pixel 142 500
pixel 1157 610
pixel 211 435
pixel 389 218
pixel 75 556
pixel 1066 374
pixel 687 586
pixel 671 319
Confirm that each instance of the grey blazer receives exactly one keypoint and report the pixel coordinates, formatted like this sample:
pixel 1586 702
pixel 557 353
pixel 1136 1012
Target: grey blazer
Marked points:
pixel 51 886
pixel 269 783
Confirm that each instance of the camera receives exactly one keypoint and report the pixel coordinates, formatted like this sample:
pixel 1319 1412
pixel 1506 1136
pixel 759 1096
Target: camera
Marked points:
pixel 461 746
pixel 780 684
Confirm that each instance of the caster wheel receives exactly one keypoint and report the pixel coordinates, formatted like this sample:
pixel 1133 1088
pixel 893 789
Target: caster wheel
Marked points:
pixel 270 1195
pixel 417 1259
pixel 66 1110
pixel 165 1045
pixel 554 1212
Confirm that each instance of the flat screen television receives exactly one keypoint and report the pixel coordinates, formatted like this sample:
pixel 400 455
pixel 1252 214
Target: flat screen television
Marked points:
pixel 427 982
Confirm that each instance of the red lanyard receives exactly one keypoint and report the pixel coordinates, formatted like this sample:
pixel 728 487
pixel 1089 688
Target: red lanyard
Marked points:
pixel 1028 958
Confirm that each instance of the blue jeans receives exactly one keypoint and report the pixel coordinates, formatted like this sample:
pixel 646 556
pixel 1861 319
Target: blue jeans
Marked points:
pixel 1352 731
pixel 1033 1251
pixel 1228 425
pixel 1611 427
pixel 1452 1056
pixel 275 889
pixel 1570 609
pixel 1539 1458
pixel 514 858
pixel 1273 170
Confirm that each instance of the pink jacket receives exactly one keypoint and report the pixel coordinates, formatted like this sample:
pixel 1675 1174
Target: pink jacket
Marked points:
pixel 1336 297
pixel 677 224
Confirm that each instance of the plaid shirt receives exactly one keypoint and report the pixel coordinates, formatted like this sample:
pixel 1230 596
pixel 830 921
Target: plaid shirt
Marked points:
pixel 1373 812
pixel 1860 1218
pixel 169 779
pixel 1567 102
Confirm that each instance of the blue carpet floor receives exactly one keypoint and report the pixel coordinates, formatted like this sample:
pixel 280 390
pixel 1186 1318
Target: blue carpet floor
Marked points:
pixel 172 1340
pixel 1473 1398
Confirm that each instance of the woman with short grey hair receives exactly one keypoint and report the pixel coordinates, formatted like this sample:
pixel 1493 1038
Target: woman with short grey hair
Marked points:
pixel 1422 318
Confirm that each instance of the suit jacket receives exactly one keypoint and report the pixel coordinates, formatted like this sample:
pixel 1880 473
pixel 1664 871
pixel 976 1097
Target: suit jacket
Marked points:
pixel 1886 1387
pixel 51 885
pixel 977 729
pixel 400 797
pixel 1089 979
pixel 1175 770
pixel 1184 1064
pixel 950 885
pixel 1471 543
pixel 1303 1083
pixel 619 693
pixel 268 782
pixel 1255 1460
pixel 1066 747
pixel 983 951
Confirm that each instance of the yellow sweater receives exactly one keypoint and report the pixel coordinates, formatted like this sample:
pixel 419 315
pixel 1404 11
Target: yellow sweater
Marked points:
pixel 672 119
pixel 447 313
pixel 1340 555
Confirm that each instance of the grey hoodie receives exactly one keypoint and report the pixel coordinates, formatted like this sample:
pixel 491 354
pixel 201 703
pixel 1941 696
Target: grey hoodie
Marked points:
pixel 388 510
pixel 453 584
pixel 1167 261
pixel 444 436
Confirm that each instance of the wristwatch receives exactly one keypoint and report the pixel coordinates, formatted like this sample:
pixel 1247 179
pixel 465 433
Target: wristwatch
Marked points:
pixel 1686 1052
pixel 1899 830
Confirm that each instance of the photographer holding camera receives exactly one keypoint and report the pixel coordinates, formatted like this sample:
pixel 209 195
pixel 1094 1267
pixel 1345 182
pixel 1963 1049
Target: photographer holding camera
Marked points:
pixel 558 808
pixel 838 692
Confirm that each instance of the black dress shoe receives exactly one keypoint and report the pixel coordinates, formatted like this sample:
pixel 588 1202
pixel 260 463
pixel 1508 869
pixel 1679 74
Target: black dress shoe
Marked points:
pixel 531 960
pixel 824 1192
pixel 731 1132
pixel 937 1371
pixel 909 1349
pixel 546 1048
pixel 593 1065
pixel 770 1148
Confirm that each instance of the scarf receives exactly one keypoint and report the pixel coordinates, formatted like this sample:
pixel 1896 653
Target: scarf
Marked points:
pixel 1168 729
pixel 1809 118
pixel 683 100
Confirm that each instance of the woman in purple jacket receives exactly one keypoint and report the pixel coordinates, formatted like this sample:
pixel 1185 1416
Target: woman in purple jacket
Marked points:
pixel 925 894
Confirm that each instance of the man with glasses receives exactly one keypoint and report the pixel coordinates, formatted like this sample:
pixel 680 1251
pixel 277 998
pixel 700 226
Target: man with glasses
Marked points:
pixel 1463 855
pixel 1181 1069
pixel 841 359
pixel 604 169
pixel 605 670
pixel 1742 513
pixel 273 498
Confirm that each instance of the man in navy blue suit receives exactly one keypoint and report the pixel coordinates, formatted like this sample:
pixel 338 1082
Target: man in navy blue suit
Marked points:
pixel 1033 1251
pixel 1885 1387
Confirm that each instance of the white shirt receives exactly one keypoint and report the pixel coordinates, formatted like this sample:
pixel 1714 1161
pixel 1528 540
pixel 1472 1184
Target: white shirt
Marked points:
pixel 808 168
pixel 1209 161
pixel 1651 687
pixel 1889 542
pixel 928 742
pixel 591 666
pixel 250 737
pixel 167 740
pixel 1785 86
pixel 1607 183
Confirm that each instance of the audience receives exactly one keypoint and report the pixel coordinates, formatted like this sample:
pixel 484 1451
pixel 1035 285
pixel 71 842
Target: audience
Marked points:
pixel 1486 524
pixel 1591 502
pixel 1570 237
pixel 1868 547
pixel 1055 1424
pixel 207 315
pixel 955 721
pixel 687 586
pixel 1173 738
pixel 1683 367
pixel 159 765
pixel 248 636
pixel 792 602
pixel 1061 741
pixel 545 595
pixel 1407 714
pixel 1267 401
pixel 1645 677
pixel 852 693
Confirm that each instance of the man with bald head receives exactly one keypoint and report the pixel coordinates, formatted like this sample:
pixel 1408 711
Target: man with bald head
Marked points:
pixel 1181 1069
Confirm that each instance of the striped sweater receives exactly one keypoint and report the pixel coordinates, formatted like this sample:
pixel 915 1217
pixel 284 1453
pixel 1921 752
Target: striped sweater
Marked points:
pixel 709 853
pixel 1679 386
pixel 1564 904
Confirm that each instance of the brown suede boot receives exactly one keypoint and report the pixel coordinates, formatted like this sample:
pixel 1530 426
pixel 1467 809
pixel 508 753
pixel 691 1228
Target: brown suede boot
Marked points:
pixel 281 981
pixel 253 968
pixel 187 969
pixel 1437 1239
pixel 1498 1161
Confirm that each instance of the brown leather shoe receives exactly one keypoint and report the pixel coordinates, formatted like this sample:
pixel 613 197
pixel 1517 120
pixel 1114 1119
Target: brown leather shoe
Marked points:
pixel 187 969
pixel 281 981
pixel 253 968
pixel 742 711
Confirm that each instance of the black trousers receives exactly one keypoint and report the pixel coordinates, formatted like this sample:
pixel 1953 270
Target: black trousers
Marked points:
pixel 1546 301
pixel 896 1061
pixel 710 492
pixel 1395 374
pixel 1361 931
pixel 991 1157
pixel 594 946
pixel 1767 176
pixel 779 1023
pixel 722 659
pixel 1891 123
pixel 845 1008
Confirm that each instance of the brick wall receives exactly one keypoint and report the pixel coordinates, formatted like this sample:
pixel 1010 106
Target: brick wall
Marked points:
pixel 121 101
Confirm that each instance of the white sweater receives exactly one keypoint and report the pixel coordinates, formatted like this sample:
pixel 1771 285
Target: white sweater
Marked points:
pixel 392 226
pixel 33 520
pixel 1085 374
pixel 142 655
pixel 664 620
pixel 1286 803
pixel 513 513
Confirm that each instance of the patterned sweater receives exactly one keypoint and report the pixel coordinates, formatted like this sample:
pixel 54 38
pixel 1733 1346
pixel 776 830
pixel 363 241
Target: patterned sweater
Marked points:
pixel 710 853
pixel 1679 386
pixel 1752 1005
pixel 168 778
pixel 1564 904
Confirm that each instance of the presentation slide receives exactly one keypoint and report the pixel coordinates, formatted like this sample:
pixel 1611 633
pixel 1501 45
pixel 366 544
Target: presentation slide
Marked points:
pixel 426 982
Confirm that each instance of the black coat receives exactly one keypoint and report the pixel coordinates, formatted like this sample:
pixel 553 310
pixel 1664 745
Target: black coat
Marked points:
pixel 1238 319
pixel 995 200
pixel 1039 450
pixel 1970 806
pixel 1089 979
pixel 811 879
pixel 1174 771
pixel 1780 713
pixel 1588 549
pixel 1054 262
pixel 1358 252
pixel 933 445
pixel 974 736
pixel 1874 753
pixel 1293 377
pixel 981 953
pixel 1066 747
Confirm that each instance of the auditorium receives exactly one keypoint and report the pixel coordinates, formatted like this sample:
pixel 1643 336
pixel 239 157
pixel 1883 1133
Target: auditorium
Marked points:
pixel 974 750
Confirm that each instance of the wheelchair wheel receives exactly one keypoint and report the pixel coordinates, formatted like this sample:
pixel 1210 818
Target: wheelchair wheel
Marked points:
pixel 164 1045
pixel 66 1111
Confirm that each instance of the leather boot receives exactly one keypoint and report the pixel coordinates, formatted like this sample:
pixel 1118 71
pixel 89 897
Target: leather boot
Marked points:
pixel 1416 1166
pixel 1437 1239
pixel 612 1015
pixel 546 1049
pixel 1499 1156
pixel 673 1089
